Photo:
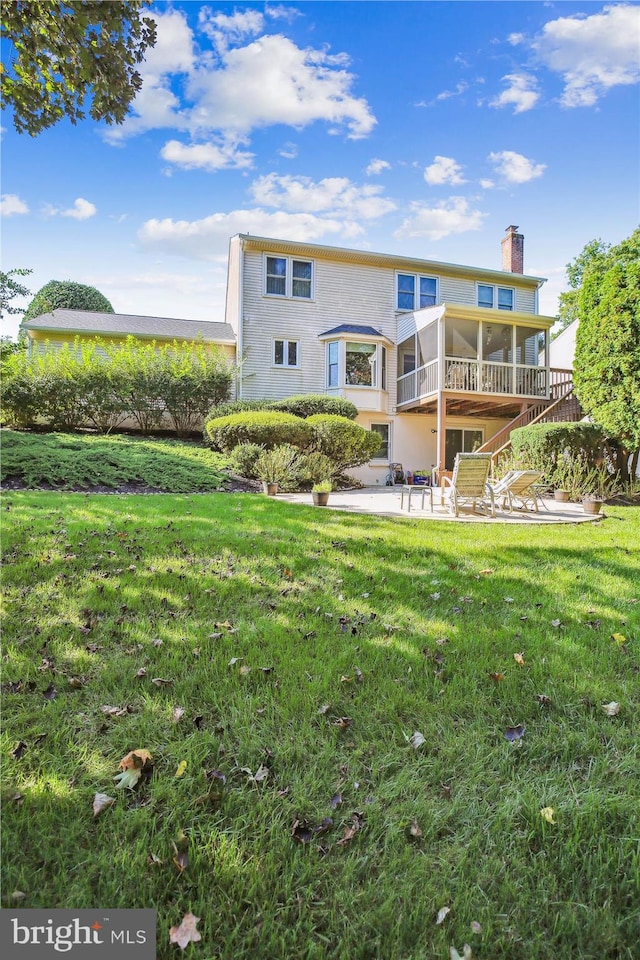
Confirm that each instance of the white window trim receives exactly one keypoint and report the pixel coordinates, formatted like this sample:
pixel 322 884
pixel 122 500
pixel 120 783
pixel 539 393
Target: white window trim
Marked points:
pixel 416 277
pixel 285 353
pixel 389 425
pixel 495 287
pixel 342 363
pixel 288 278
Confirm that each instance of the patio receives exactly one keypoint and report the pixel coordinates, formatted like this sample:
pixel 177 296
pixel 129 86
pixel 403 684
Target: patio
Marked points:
pixel 386 502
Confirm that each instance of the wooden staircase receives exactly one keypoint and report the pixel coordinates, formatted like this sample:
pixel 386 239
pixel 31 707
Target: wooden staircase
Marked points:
pixel 562 406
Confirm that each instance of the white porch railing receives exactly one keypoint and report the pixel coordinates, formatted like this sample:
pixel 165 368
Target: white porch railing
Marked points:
pixel 474 376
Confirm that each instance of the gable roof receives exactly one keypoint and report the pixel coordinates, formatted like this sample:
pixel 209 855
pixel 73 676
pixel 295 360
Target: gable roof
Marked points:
pixel 123 324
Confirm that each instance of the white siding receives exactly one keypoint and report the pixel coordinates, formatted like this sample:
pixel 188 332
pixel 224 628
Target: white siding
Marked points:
pixel 525 300
pixel 457 290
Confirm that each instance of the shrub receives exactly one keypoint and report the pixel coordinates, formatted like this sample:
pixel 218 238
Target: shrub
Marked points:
pixel 20 398
pixel 278 465
pixel 310 404
pixel 234 406
pixel 191 381
pixel 549 446
pixel 314 467
pixel 243 459
pixel 344 442
pixel 68 294
pixel 268 428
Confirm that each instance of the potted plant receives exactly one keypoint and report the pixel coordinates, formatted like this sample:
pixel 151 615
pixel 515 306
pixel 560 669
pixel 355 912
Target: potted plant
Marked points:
pixel 596 487
pixel 320 493
pixel 275 466
pixel 560 495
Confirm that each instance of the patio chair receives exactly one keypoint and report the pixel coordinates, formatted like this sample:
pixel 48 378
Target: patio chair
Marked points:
pixel 469 484
pixel 517 490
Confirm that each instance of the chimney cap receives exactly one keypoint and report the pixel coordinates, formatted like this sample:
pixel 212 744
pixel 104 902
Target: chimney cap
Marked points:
pixel 512 228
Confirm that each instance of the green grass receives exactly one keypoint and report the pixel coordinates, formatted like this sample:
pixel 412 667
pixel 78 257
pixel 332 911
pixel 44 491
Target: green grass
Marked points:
pixel 314 596
pixel 85 461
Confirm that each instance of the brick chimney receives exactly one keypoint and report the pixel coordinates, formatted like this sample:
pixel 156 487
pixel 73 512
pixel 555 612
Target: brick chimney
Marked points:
pixel 513 251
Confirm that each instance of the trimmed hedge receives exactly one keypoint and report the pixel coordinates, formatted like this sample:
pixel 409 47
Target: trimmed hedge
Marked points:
pixel 344 442
pixel 302 405
pixel 267 428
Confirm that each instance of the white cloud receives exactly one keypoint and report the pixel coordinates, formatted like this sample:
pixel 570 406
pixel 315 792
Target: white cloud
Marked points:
pixel 443 170
pixel 289 151
pixel 223 30
pixel 243 87
pixel 448 217
pixel 377 166
pixel 206 156
pixel 521 92
pixel 459 89
pixel 515 38
pixel 594 53
pixel 487 184
pixel 81 210
pixel 514 167
pixel 11 204
pixel 281 12
pixel 208 239
pixel 273 81
pixel 336 196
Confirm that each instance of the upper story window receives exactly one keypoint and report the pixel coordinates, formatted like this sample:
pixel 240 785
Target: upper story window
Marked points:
pixel 286 353
pixel 289 277
pixel 501 298
pixel 415 292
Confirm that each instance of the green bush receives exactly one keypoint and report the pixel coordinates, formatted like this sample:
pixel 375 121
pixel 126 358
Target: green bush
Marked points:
pixel 20 400
pixel 344 442
pixel 310 404
pixel 234 406
pixel 69 295
pixel 243 459
pixel 268 428
pixel 315 467
pixel 279 465
pixel 548 446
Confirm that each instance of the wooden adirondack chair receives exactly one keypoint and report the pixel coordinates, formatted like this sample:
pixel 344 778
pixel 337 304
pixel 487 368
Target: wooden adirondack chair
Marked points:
pixel 469 484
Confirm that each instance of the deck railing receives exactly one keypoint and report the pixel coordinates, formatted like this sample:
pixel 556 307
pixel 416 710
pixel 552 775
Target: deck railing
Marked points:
pixel 475 376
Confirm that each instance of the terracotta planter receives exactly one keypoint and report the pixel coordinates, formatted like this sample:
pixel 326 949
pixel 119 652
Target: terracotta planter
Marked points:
pixel 270 489
pixel 561 496
pixel 320 499
pixel 592 507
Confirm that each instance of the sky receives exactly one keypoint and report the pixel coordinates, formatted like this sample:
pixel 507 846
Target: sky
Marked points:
pixel 411 128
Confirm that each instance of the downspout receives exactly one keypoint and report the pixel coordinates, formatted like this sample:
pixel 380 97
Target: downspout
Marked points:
pixel 239 357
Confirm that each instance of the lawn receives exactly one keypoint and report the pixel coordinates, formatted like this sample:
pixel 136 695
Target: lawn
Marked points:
pixel 355 722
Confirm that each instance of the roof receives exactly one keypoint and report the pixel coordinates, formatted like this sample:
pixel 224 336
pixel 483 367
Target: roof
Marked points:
pixel 123 324
pixel 296 247
pixel 358 328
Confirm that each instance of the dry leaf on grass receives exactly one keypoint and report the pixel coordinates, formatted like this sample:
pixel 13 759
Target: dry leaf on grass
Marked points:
pixel 186 933
pixel 611 709
pixel 417 740
pixel 514 733
pixel 519 659
pixel 442 913
pixel 101 802
pixel 466 953
pixel 182 766
pixel 547 814
pixel 132 766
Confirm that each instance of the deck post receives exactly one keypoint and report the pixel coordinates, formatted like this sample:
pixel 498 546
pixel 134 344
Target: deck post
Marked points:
pixel 441 438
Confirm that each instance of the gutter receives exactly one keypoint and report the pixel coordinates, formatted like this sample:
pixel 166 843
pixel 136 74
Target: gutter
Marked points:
pixel 239 357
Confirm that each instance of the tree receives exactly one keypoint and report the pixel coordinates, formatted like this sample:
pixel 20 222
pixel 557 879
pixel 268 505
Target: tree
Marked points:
pixel 10 288
pixel 607 360
pixel 59 294
pixel 592 253
pixel 66 52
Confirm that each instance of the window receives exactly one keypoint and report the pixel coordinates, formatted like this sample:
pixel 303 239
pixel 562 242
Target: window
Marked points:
pixel 285 353
pixel 490 296
pixel 460 441
pixel 408 284
pixel 383 451
pixel 360 364
pixel 286 277
pixel 332 363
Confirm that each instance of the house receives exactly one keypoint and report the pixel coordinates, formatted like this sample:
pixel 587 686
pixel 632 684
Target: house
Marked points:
pixel 437 357
pixel 63 326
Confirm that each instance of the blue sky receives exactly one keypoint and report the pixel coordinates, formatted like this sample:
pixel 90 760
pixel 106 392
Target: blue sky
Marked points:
pixel 423 128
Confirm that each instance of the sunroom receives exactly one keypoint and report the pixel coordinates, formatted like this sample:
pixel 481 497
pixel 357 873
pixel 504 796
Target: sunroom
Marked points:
pixel 472 352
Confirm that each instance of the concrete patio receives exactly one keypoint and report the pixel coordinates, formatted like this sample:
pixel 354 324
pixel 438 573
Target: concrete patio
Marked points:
pixel 386 502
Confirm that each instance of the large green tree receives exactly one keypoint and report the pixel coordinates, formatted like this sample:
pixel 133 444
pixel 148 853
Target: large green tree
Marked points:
pixel 66 294
pixel 607 360
pixel 590 256
pixel 63 54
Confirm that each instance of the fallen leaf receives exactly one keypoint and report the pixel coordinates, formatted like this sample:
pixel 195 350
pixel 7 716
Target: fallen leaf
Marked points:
pixel 543 699
pixel 234 660
pixel 519 659
pixel 619 638
pixel 359 676
pixel 76 683
pixel 182 766
pixel 476 927
pixel 498 677
pixel 486 572
pixel 446 789
pixel 177 713
pixel 50 693
pixel 335 801
pixel 131 766
pixel 161 682
pixel 17 896
pixel 245 670
pixel 442 913
pixel 466 953
pixel 180 858
pixel 261 774
pixel 414 829
pixel 186 933
pixel 157 642
pixel 350 832
pixel 514 733
pixel 611 709
pixel 324 709
pixel 19 750
pixel 417 740
pixel 547 814
pixel 153 860
pixel 508 600
pixel 101 802
pixel 343 722
pixel 142 672
pixel 556 623
pixel 302 832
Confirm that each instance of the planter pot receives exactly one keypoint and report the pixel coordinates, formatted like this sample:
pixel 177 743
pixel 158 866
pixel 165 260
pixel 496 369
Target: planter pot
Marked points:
pixel 320 499
pixel 561 496
pixel 270 489
pixel 591 506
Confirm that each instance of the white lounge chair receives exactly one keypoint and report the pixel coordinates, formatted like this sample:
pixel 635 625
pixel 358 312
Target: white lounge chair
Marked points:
pixel 469 484
pixel 517 490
